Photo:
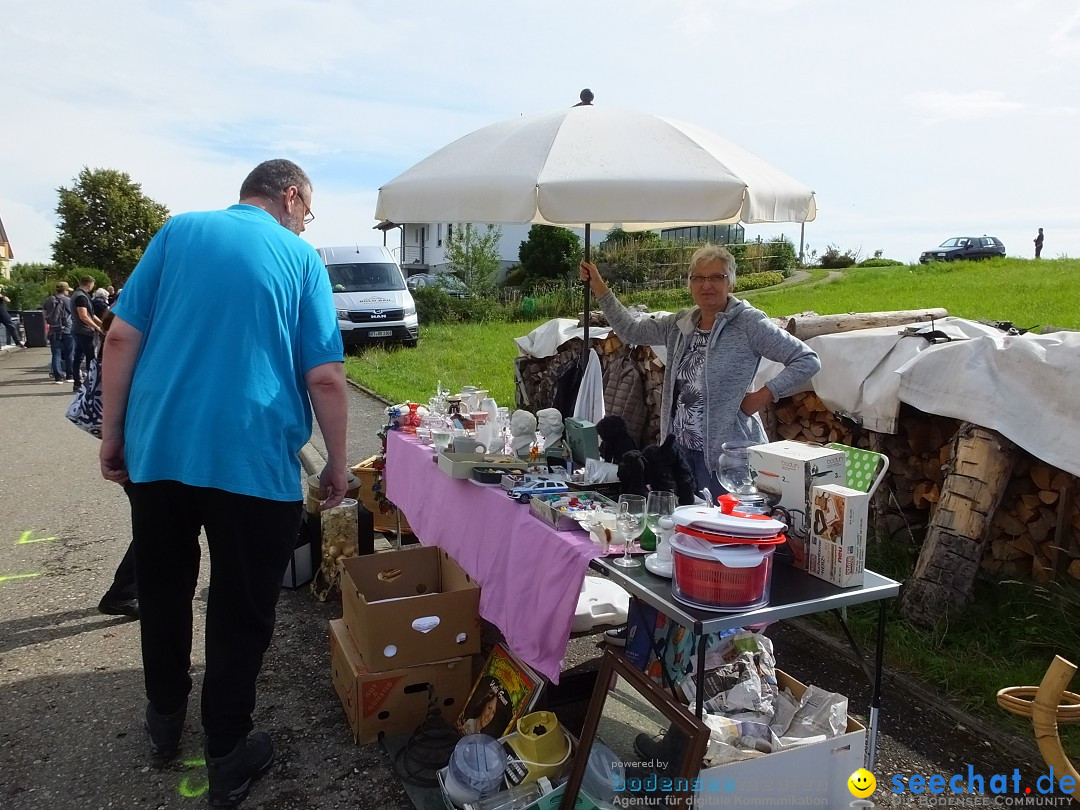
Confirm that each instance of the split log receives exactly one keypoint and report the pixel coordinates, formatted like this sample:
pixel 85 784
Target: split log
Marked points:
pixel 808 326
pixel 950 557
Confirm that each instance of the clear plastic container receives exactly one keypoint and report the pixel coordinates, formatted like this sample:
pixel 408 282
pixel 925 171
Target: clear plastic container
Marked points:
pixel 476 768
pixel 339 530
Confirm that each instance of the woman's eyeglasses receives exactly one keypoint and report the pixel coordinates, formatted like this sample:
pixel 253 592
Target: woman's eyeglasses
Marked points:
pixel 714 280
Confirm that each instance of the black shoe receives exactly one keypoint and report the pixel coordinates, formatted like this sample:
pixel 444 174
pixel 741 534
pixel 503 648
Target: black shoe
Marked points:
pixel 664 752
pixel 119 607
pixel 618 636
pixel 165 730
pixel 231 775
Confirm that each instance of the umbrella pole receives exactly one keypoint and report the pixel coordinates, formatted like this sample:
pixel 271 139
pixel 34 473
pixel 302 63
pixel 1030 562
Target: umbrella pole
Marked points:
pixel 585 320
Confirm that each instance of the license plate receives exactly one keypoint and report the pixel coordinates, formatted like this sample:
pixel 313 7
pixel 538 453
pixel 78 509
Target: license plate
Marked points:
pixel 380 333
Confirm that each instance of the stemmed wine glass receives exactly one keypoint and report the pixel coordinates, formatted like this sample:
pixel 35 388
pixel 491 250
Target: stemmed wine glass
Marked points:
pixel 660 505
pixel 631 523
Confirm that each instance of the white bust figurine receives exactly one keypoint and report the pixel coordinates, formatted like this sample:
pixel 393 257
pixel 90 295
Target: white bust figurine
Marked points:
pixel 550 424
pixel 522 432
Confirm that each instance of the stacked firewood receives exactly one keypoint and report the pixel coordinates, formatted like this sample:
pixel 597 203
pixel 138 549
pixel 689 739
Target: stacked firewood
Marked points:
pixel 803 417
pixel 1035 528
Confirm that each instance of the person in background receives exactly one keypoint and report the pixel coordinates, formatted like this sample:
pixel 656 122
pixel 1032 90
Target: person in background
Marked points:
pixel 713 352
pixel 99 302
pixel 112 294
pixel 57 309
pixel 85 328
pixel 5 319
pixel 1039 244
pixel 207 432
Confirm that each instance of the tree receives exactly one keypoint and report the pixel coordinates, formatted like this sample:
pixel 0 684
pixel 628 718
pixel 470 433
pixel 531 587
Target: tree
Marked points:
pixel 474 257
pixel 105 222
pixel 550 252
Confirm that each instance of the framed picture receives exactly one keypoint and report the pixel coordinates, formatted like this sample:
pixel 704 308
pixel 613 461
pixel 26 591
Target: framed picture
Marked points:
pixel 638 745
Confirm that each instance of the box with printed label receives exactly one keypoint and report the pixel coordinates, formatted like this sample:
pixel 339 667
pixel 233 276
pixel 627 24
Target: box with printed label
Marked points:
pixel 409 607
pixel 788 470
pixel 811 775
pixel 396 701
pixel 838 534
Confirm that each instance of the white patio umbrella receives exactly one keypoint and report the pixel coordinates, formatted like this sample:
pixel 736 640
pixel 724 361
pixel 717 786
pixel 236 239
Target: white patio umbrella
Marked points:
pixel 598 166
pixel 590 165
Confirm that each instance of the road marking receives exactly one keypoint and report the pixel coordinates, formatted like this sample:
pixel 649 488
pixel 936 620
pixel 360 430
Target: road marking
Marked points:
pixel 25 538
pixel 190 790
pixel 6 577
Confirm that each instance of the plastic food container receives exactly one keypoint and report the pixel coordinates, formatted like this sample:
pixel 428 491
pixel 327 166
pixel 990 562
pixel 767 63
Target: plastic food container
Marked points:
pixel 475 769
pixel 721 576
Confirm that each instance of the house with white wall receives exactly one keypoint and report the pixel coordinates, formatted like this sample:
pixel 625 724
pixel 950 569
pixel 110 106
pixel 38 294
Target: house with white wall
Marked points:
pixel 421 247
pixel 5 253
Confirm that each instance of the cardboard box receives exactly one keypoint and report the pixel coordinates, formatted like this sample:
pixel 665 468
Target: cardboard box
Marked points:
pixel 392 702
pixel 810 775
pixel 546 507
pixel 838 534
pixel 410 607
pixel 384 521
pixel 790 469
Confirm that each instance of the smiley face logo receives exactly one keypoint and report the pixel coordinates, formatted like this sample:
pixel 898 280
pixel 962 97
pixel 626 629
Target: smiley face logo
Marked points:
pixel 861 783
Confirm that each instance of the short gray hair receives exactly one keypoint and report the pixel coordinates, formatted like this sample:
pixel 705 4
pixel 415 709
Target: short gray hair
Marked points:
pixel 713 253
pixel 271 178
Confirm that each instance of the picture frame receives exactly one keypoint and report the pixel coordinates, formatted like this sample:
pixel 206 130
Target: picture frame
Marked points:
pixel 636 702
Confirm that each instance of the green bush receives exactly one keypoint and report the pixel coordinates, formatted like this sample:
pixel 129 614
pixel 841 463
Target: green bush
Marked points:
pixel 434 305
pixel 755 281
pixel 782 256
pixel 878 262
pixel 515 276
pixel 833 259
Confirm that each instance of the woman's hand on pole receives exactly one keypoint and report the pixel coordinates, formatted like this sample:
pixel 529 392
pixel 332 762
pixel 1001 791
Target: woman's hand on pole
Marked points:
pixel 588 273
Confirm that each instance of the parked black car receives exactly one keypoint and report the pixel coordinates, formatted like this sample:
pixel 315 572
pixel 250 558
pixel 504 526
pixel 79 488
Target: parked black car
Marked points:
pixel 964 247
pixel 451 285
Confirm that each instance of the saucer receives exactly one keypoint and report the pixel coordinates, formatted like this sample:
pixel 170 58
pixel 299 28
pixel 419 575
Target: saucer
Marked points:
pixel 657 566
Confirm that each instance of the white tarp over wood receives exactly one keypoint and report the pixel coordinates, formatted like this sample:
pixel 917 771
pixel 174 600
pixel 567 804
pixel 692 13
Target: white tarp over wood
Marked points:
pixel 1026 387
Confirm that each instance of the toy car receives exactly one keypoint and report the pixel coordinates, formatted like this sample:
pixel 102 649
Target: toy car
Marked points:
pixel 537 486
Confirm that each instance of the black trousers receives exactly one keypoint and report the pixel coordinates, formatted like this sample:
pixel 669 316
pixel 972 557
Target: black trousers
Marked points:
pixel 251 541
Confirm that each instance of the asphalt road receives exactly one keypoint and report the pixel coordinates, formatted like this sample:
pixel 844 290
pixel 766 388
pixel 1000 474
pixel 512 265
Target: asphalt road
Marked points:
pixel 70 716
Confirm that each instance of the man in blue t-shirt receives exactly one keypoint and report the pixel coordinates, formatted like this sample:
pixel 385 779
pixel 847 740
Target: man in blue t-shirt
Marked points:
pixel 207 400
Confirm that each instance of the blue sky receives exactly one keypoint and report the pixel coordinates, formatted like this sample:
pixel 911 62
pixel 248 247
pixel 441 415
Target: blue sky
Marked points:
pixel 912 121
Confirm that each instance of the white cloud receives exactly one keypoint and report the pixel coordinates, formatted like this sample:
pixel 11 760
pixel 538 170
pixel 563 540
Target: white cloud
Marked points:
pixel 940 106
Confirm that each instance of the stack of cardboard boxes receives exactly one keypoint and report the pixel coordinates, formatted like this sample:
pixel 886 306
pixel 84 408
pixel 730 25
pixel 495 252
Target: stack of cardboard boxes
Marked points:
pixel 409 630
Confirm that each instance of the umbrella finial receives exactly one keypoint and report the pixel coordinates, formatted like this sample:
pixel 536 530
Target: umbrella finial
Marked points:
pixel 586 97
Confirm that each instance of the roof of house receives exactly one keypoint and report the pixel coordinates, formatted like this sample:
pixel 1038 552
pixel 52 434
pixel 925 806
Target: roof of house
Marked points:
pixel 4 239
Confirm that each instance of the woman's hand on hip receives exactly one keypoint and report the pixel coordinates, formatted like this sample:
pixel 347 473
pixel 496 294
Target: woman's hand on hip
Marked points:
pixel 755 401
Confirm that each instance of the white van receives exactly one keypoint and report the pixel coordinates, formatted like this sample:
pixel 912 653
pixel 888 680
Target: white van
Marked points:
pixel 373 305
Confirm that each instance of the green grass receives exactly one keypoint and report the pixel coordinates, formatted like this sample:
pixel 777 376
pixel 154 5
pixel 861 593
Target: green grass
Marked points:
pixel 1028 293
pixel 457 354
pixel 1007 637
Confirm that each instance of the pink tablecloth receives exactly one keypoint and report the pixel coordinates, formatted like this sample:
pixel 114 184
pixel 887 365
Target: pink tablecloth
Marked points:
pixel 529 574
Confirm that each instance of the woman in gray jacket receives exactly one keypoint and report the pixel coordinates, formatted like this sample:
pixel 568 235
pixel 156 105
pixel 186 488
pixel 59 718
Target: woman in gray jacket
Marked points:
pixel 713 352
